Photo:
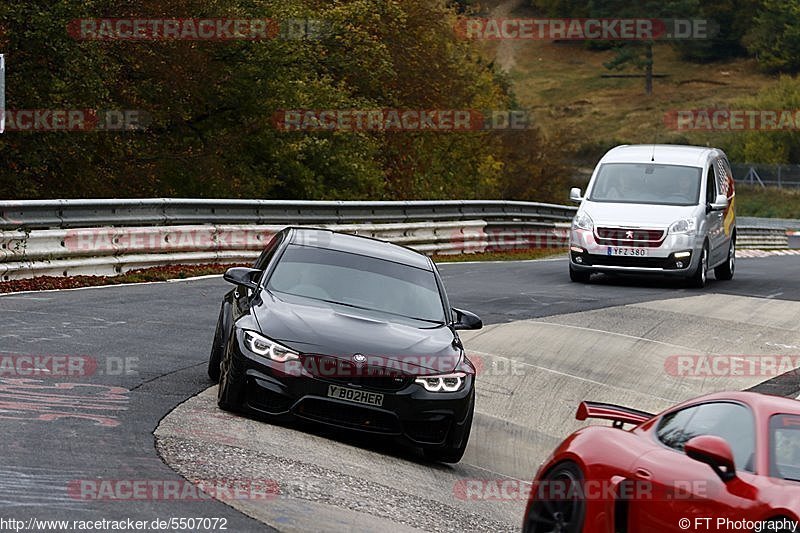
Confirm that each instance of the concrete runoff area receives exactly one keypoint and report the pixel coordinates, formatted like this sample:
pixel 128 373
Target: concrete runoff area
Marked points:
pixel 532 376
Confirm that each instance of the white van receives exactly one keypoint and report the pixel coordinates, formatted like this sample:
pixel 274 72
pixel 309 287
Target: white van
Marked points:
pixel 656 209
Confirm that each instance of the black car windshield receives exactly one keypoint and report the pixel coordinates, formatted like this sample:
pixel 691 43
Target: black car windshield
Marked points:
pixel 358 281
pixel 640 183
pixel 785 447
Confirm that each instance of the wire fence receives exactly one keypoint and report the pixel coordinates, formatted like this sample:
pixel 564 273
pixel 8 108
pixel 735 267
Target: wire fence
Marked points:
pixel 767 175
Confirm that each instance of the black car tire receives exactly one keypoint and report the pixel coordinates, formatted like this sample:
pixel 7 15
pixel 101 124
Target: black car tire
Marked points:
pixel 725 271
pixel 217 347
pixel 456 445
pixel 579 276
pixel 700 276
pixel 229 393
pixel 567 514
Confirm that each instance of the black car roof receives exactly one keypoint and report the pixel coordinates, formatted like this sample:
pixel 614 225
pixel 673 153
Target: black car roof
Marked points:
pixel 357 244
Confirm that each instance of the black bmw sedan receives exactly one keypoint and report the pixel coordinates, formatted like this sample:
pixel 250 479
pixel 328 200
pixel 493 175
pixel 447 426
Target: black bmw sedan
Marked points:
pixel 351 332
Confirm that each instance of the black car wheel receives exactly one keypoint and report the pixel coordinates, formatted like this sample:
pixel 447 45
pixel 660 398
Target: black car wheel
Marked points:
pixel 229 393
pixel 457 444
pixel 217 347
pixel 559 505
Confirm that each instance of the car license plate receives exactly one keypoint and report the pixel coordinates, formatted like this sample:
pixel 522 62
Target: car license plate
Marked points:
pixel 627 252
pixel 355 395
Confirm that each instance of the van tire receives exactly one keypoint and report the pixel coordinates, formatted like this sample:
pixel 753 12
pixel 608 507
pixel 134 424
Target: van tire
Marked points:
pixel 579 276
pixel 700 276
pixel 725 271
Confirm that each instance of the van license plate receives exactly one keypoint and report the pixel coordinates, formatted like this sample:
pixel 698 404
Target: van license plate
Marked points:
pixel 627 252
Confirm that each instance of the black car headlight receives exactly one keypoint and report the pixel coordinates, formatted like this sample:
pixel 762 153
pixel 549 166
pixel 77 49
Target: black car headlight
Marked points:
pixel 442 382
pixel 260 345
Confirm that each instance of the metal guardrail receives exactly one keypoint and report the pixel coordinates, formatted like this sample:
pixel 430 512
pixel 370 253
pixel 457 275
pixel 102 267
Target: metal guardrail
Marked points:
pixel 761 238
pixel 108 237
pixel 38 214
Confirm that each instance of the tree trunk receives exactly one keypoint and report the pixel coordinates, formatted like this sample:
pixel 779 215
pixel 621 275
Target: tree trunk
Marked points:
pixel 648 78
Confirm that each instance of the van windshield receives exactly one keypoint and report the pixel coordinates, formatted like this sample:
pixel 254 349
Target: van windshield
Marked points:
pixel 647 183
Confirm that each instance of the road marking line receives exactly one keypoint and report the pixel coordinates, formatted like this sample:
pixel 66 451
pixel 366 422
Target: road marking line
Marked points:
pixel 692 350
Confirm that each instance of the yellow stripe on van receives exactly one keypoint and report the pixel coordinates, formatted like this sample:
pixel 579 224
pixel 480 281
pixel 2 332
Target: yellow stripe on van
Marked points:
pixel 729 217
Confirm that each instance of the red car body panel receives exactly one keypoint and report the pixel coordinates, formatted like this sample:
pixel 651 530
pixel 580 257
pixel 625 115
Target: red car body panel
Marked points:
pixel 664 485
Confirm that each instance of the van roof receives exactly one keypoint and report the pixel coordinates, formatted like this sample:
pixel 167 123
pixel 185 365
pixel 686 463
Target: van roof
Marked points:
pixel 670 154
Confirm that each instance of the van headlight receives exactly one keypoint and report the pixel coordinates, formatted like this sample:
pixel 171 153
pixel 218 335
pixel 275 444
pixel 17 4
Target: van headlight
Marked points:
pixel 583 221
pixel 684 225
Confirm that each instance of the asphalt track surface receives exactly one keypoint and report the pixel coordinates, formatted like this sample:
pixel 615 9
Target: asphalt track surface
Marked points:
pixel 63 430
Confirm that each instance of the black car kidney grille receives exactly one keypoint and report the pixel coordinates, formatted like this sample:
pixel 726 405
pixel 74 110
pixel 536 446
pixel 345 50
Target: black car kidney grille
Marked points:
pixel 342 372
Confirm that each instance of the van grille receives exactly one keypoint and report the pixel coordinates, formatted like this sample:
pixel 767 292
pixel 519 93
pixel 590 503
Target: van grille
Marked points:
pixel 645 238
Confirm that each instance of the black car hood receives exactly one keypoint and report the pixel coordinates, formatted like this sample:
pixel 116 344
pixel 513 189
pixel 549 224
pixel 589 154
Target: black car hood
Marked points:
pixel 320 328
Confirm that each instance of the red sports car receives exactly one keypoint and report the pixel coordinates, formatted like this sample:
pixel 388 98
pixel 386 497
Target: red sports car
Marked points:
pixel 722 462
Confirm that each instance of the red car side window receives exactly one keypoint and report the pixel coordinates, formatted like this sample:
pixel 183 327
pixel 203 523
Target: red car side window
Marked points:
pixel 731 421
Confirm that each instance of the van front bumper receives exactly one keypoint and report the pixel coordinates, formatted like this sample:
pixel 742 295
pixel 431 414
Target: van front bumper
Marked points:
pixel 677 255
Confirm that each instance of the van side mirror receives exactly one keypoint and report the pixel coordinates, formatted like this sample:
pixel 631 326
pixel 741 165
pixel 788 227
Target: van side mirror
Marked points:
pixel 720 203
pixel 575 195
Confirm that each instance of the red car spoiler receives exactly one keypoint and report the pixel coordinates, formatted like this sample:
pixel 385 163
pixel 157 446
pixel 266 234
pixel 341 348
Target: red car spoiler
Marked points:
pixel 607 411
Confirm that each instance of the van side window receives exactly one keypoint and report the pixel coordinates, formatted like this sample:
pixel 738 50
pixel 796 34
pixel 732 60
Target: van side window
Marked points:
pixel 711 185
pixel 724 176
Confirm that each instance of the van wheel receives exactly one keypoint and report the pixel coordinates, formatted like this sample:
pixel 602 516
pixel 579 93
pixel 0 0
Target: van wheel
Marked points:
pixel 725 271
pixel 700 276
pixel 579 276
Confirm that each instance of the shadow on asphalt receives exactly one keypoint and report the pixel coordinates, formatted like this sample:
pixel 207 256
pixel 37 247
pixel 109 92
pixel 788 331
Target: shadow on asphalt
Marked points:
pixel 381 444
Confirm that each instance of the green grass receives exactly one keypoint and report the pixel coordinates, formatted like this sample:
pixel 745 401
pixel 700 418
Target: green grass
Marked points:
pixel 768 202
pixel 562 84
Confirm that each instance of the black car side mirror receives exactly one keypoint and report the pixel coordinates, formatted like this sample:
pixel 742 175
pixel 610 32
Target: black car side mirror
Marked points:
pixel 466 320
pixel 242 276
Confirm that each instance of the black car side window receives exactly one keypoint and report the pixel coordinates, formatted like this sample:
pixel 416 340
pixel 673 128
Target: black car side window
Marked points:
pixel 265 257
pixel 730 421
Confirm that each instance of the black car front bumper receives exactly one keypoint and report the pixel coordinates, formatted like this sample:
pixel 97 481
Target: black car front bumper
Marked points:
pixel 408 411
